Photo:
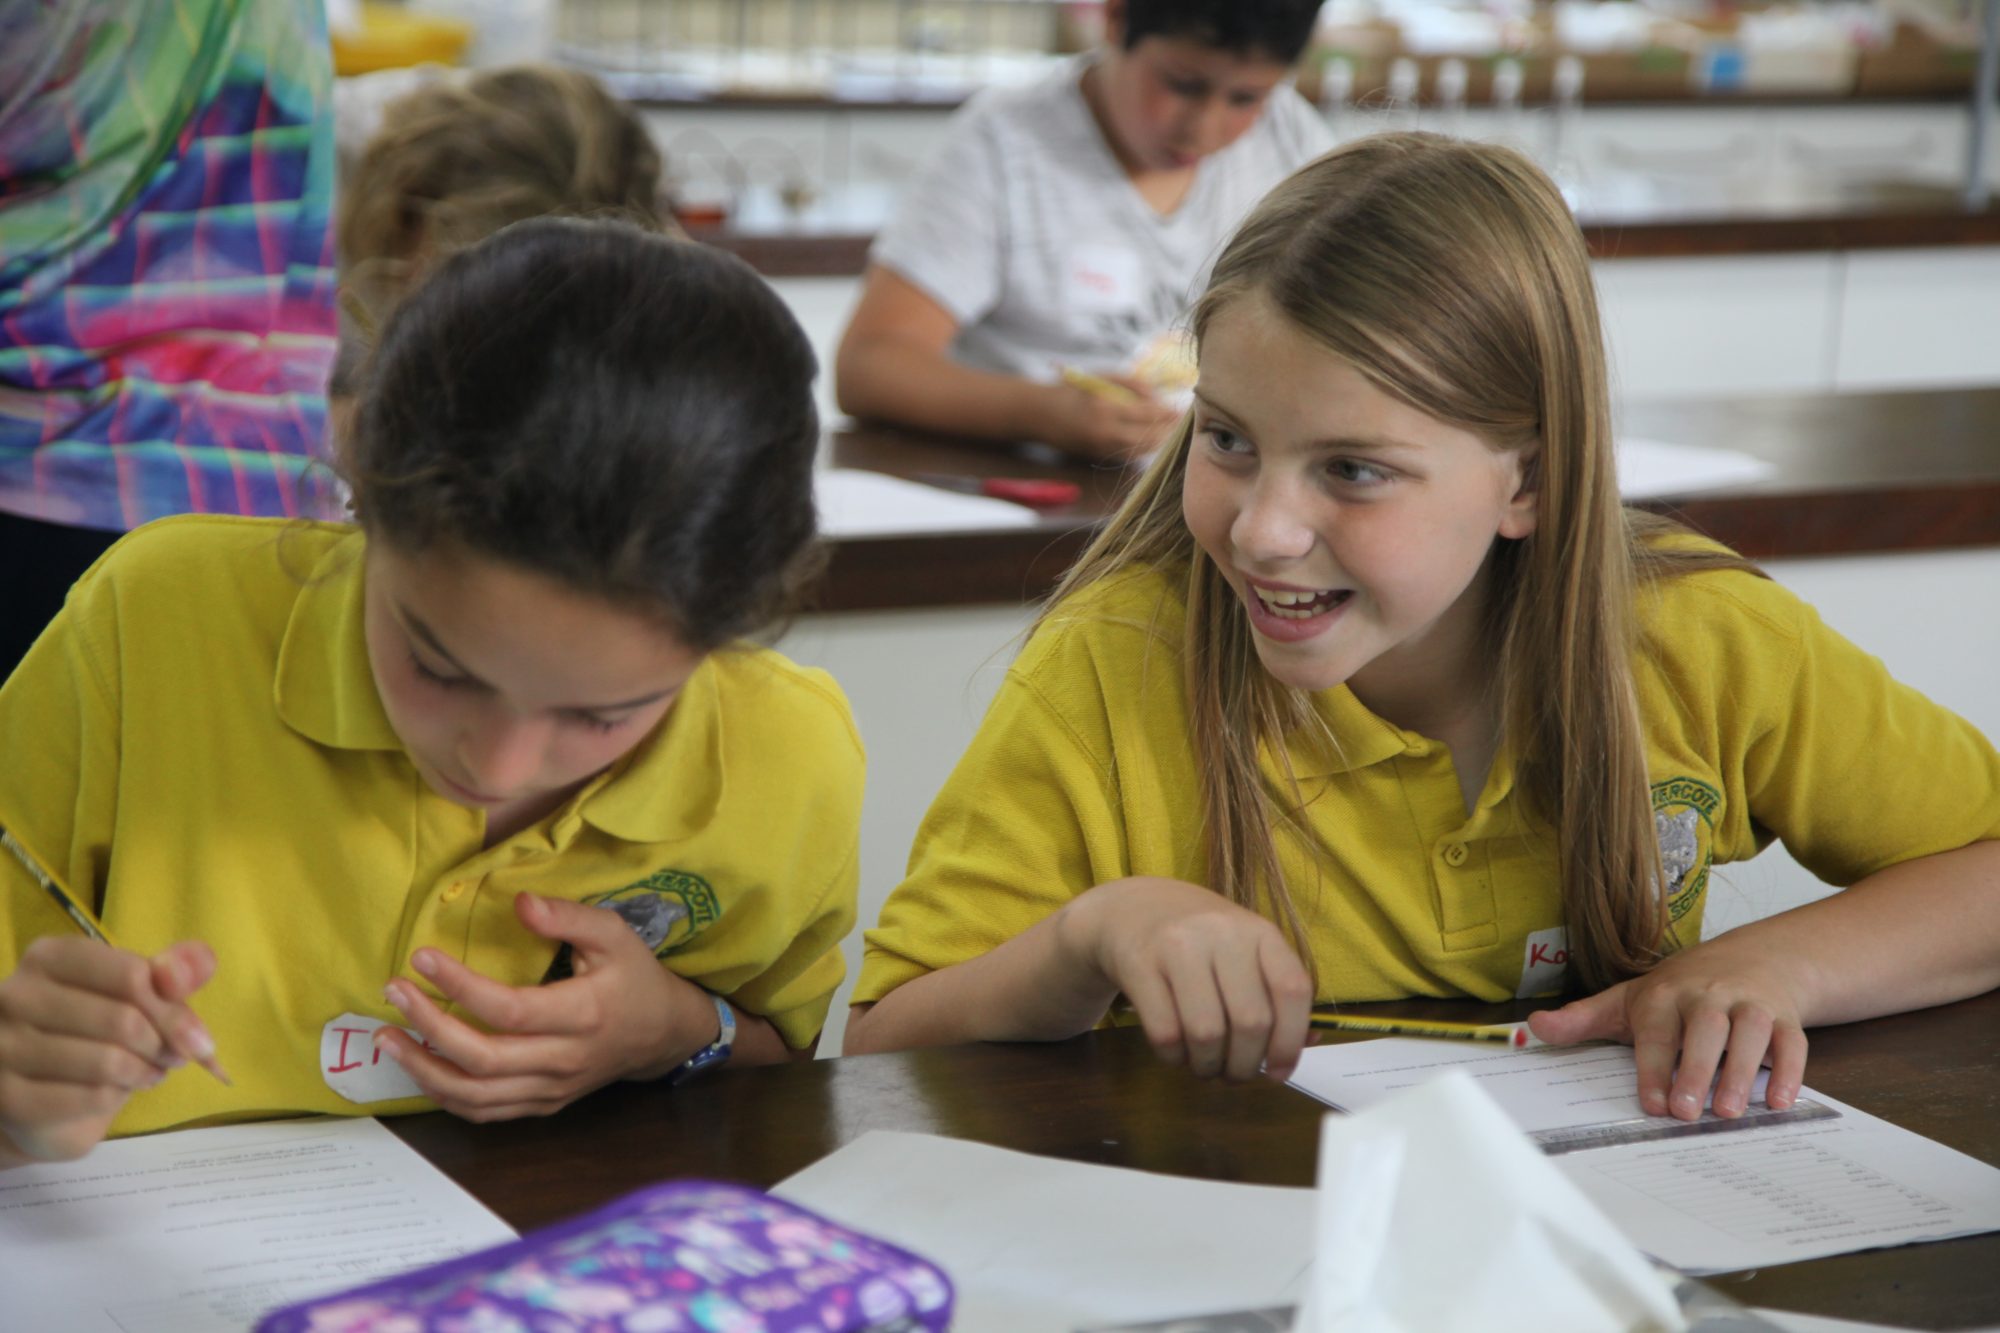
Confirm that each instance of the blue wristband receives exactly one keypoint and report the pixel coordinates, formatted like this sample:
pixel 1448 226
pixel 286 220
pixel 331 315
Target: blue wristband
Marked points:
pixel 713 1054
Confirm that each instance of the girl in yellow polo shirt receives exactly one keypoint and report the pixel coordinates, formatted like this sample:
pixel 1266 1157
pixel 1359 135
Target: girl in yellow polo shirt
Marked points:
pixel 1372 689
pixel 483 803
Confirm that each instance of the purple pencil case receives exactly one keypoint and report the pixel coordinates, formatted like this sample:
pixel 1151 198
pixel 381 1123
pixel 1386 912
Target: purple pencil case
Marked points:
pixel 692 1256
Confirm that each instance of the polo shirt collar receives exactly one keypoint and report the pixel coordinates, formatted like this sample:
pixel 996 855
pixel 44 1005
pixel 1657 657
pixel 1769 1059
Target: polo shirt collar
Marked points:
pixel 670 786
pixel 325 689
pixel 1361 738
pixel 1366 739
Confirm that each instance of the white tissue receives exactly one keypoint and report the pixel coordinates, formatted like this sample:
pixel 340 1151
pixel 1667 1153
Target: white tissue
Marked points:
pixel 1437 1215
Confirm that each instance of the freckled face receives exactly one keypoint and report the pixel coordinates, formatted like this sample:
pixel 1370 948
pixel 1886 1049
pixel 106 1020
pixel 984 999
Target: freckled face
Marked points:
pixel 506 687
pixel 1355 528
pixel 1171 101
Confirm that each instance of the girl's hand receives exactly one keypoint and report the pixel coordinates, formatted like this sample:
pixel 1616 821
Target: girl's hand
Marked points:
pixel 621 1015
pixel 1709 1006
pixel 82 1027
pixel 1106 429
pixel 1214 985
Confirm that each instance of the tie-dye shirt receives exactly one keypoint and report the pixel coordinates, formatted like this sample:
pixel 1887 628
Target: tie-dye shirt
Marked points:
pixel 166 264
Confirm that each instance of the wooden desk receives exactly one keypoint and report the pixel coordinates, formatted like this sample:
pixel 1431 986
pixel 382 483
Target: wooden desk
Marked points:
pixel 1104 1098
pixel 1857 474
pixel 1657 219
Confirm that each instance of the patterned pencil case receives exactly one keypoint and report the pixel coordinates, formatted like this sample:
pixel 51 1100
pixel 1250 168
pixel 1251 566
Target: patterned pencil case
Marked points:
pixel 691 1256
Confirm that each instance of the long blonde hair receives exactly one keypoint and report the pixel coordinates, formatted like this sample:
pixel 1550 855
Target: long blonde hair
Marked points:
pixel 1451 275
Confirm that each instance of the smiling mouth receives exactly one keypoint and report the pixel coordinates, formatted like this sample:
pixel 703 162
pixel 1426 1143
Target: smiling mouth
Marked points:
pixel 1302 604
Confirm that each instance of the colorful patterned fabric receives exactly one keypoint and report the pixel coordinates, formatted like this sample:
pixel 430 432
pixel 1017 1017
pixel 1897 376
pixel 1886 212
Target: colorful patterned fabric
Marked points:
pixel 166 263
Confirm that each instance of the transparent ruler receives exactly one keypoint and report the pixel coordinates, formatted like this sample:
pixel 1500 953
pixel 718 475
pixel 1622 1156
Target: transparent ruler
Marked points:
pixel 1647 1129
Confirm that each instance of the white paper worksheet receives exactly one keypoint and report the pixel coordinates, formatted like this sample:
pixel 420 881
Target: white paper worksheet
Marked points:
pixel 1710 1203
pixel 205 1230
pixel 1041 1245
pixel 856 503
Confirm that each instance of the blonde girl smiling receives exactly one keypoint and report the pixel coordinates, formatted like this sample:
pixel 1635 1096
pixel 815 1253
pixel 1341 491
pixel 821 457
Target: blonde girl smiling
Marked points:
pixel 1374 689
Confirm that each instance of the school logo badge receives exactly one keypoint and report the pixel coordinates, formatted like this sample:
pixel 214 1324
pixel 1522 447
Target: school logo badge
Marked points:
pixel 1684 822
pixel 666 909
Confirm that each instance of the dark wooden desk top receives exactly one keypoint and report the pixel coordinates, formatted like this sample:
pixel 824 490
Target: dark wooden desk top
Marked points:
pixel 1104 1098
pixel 1628 218
pixel 1857 474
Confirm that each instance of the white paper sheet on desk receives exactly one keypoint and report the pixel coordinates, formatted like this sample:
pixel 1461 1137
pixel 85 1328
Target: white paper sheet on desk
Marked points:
pixel 1040 1245
pixel 1713 1203
pixel 854 503
pixel 205 1230
pixel 1650 468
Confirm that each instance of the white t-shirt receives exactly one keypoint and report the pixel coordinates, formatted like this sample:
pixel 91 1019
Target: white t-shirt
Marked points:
pixel 1027 230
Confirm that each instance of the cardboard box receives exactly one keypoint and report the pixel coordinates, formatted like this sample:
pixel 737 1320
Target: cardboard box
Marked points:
pixel 1917 62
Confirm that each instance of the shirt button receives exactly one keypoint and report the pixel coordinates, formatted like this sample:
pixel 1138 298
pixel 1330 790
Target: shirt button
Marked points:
pixel 455 892
pixel 1455 854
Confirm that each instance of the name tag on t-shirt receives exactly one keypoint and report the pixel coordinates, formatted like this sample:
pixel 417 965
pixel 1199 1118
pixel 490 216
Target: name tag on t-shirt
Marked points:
pixel 352 1067
pixel 1104 279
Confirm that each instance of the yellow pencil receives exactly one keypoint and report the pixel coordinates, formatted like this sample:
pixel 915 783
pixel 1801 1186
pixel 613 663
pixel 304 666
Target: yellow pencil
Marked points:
pixel 1097 384
pixel 1517 1037
pixel 84 921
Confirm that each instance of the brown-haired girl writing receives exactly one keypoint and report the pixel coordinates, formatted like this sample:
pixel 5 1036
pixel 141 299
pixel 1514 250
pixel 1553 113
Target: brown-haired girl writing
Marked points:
pixel 480 803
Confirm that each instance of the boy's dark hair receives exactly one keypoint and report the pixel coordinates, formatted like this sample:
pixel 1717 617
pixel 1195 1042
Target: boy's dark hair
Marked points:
pixel 1278 29
pixel 627 414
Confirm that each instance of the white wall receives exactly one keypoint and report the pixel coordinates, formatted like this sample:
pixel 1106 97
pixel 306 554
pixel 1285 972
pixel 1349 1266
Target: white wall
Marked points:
pixel 919 682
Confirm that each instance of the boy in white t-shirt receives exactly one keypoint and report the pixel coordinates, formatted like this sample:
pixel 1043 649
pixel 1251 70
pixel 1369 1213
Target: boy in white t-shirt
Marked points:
pixel 1065 226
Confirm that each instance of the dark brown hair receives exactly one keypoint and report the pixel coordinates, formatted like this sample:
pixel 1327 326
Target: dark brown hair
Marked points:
pixel 1274 29
pixel 626 413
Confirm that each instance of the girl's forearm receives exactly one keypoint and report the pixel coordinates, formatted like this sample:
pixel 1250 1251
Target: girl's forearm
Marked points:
pixel 1918 934
pixel 1041 985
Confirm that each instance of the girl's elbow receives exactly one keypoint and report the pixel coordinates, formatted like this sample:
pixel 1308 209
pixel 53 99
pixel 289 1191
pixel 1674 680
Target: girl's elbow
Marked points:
pixel 859 1039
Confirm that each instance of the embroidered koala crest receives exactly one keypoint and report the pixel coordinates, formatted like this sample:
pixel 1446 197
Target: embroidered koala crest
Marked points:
pixel 666 909
pixel 1684 822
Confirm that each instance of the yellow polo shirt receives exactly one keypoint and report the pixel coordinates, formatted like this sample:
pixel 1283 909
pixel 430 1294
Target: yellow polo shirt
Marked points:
pixel 197 750
pixel 1760 722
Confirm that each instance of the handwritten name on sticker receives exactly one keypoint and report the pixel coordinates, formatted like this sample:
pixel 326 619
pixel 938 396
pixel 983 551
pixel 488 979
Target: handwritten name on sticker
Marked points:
pixel 1544 963
pixel 352 1067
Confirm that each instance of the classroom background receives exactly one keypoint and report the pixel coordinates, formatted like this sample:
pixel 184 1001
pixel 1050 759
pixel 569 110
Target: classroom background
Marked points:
pixel 1798 253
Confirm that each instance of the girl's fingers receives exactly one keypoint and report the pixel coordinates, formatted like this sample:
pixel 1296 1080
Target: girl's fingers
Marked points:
pixel 84 1062
pixel 179 970
pixel 1599 1017
pixel 39 1110
pixel 1656 1044
pixel 549 1010
pixel 74 964
pixel 1153 1002
pixel 1290 988
pixel 1702 1044
pixel 1749 1039
pixel 1788 1065
pixel 469 1096
pixel 479 1055
pixel 1202 1023
pixel 61 1011
pixel 1248 1013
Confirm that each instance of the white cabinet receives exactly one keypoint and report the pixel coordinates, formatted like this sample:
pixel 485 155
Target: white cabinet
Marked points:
pixel 1871 142
pixel 1681 328
pixel 1911 318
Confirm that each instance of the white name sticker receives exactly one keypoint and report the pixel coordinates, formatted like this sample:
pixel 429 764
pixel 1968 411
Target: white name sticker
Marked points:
pixel 1544 963
pixel 1104 279
pixel 352 1067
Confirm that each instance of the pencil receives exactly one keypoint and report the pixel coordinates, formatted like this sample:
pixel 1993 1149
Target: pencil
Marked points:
pixel 1097 384
pixel 84 923
pixel 1421 1027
